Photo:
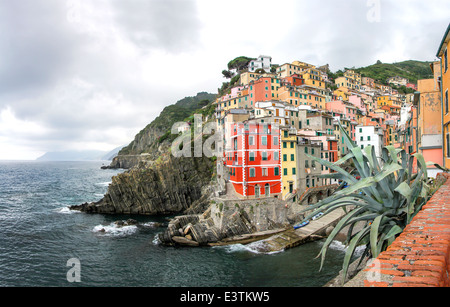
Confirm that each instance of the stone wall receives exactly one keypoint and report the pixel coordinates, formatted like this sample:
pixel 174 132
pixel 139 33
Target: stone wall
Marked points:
pixel 420 256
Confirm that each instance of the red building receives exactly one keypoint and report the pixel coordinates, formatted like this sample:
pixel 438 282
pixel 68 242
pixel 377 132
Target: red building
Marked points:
pixel 294 80
pixel 411 85
pixel 333 151
pixel 252 156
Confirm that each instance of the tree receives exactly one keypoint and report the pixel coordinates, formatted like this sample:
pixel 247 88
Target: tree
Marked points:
pixel 227 74
pixel 239 63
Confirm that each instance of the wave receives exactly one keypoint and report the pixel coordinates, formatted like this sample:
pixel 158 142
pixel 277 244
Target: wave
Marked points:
pixel 103 184
pixel 151 224
pixel 115 230
pixel 66 210
pixel 258 247
pixel 338 245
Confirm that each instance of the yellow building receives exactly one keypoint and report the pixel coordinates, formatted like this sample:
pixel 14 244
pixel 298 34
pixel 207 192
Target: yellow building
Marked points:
pixel 342 92
pixel 313 77
pixel 289 173
pixel 445 85
pixel 351 74
pixel 384 100
pixel 247 77
pixel 351 80
pixel 296 67
pixel 239 102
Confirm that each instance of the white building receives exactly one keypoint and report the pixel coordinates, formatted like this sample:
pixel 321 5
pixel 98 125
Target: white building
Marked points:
pixel 370 135
pixel 262 62
pixel 398 81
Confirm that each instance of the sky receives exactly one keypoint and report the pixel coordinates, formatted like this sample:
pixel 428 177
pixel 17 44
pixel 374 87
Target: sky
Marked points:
pixel 89 75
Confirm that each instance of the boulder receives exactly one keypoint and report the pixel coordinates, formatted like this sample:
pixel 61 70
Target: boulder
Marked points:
pixel 184 241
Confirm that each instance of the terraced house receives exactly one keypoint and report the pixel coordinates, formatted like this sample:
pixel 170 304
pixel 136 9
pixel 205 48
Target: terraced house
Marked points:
pixel 253 159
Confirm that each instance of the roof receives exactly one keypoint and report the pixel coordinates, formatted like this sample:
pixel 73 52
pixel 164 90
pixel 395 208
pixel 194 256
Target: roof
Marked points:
pixel 444 39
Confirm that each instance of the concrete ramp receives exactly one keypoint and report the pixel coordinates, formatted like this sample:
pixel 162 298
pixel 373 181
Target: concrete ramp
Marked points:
pixel 291 237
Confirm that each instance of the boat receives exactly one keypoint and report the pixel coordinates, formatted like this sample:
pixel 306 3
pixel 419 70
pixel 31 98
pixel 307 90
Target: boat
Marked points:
pixel 300 225
pixel 317 216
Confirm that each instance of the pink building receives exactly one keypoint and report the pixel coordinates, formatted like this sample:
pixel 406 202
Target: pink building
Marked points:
pixel 342 107
pixel 235 92
pixel 357 102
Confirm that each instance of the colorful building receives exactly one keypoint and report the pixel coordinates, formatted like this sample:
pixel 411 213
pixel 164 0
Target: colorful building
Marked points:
pixel 429 119
pixel 252 156
pixel 260 90
pixel 442 54
pixel 290 172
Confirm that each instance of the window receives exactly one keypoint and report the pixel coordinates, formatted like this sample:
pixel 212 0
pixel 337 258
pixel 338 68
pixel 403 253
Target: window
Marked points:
pixel 276 171
pixel 264 156
pixel 252 172
pixel 285 172
pixel 448 145
pixel 293 171
pixel 362 138
pixel 264 140
pixel 446 101
pixel 284 158
pixel 265 172
pixel 284 145
pixel 445 61
pixel 292 157
pixel 275 140
pixel 306 150
pixel 368 138
pixel 252 156
pixel 292 144
pixel 276 156
pixel 306 163
pixel 251 140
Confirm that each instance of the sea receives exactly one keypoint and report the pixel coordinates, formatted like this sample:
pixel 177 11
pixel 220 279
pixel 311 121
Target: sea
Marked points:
pixel 44 244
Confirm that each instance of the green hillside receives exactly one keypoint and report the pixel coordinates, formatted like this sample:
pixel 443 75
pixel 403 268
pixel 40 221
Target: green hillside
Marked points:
pixel 412 70
pixel 160 128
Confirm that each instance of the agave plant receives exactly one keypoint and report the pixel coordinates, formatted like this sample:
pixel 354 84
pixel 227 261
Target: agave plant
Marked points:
pixel 383 200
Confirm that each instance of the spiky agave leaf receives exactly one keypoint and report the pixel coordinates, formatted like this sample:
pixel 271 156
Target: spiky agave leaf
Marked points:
pixel 388 191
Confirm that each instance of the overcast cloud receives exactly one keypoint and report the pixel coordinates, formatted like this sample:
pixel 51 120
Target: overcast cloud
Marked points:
pixel 81 74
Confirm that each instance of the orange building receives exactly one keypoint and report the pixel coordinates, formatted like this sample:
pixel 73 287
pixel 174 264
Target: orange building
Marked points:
pixel 429 119
pixel 445 84
pixel 260 90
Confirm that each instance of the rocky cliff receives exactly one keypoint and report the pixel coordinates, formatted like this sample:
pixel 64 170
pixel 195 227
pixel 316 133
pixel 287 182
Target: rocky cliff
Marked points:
pixel 167 187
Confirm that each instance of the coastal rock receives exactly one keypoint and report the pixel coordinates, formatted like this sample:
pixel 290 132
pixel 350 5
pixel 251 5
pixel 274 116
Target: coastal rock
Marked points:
pixel 165 188
pixel 185 241
pixel 128 161
pixel 225 220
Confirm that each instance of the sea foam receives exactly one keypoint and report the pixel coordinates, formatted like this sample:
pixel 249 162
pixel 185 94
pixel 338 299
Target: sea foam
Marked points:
pixel 115 230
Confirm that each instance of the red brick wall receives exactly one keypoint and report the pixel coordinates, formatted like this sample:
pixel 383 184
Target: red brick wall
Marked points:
pixel 420 256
